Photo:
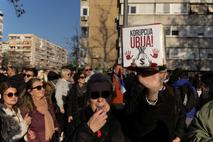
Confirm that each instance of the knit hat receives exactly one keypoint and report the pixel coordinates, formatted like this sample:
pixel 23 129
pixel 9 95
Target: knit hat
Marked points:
pixel 99 82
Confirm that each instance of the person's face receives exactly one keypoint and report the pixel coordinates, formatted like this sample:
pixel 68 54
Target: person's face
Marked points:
pixel 98 97
pixel 81 79
pixel 37 90
pixel 67 76
pixel 27 76
pixel 10 97
pixel 88 70
pixel 10 72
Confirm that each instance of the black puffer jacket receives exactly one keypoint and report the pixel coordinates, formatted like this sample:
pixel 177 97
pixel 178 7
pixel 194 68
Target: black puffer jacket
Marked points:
pixel 162 122
pixel 110 132
pixel 8 127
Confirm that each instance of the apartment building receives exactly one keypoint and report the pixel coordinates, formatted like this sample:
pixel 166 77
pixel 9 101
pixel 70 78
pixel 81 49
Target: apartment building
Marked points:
pixel 99 33
pixel 188 29
pixel 31 50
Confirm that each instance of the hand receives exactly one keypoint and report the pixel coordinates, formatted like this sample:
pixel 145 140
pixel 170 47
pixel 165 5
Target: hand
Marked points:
pixel 106 107
pixel 56 129
pixel 97 120
pixel 62 110
pixel 177 139
pixel 151 80
pixel 31 135
pixel 70 119
pixel 27 119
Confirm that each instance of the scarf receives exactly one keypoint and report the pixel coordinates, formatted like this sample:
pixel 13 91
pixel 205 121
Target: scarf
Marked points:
pixel 42 107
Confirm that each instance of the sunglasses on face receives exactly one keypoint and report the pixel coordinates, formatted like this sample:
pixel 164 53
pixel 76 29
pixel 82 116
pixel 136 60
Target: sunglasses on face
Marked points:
pixel 90 69
pixel 39 87
pixel 98 94
pixel 10 95
pixel 82 77
pixel 27 75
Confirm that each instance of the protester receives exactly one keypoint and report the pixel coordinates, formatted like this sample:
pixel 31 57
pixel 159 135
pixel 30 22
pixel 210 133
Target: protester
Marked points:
pixel 88 72
pixel 75 100
pixel 62 88
pixel 201 128
pixel 61 91
pixel 9 127
pixel 179 80
pixel 9 100
pixel 154 113
pixel 118 82
pixel 76 96
pixel 30 73
pixel 12 74
pixel 96 123
pixel 207 89
pixel 44 126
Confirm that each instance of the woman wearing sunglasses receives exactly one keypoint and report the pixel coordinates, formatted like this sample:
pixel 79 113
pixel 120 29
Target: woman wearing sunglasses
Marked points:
pixel 95 122
pixel 75 99
pixel 76 95
pixel 9 98
pixel 43 125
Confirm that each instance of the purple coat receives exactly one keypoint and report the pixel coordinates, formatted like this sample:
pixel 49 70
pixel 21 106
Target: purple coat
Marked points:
pixel 38 125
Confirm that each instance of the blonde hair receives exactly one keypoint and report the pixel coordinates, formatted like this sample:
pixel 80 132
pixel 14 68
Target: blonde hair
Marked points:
pixel 64 72
pixel 42 75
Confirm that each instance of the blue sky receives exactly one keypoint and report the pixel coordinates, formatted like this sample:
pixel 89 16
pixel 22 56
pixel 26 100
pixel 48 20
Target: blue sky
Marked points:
pixel 54 20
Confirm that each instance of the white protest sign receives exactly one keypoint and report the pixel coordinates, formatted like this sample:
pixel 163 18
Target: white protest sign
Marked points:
pixel 143 46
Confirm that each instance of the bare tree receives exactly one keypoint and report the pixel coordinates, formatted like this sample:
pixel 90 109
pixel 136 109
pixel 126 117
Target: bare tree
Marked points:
pixel 104 42
pixel 18 7
pixel 14 58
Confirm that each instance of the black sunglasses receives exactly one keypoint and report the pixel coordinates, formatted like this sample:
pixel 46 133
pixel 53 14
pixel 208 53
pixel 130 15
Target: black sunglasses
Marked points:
pixel 39 87
pixel 27 75
pixel 82 77
pixel 10 95
pixel 90 69
pixel 98 94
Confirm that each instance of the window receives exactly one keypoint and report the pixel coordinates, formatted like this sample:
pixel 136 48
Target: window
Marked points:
pixel 84 31
pixel 178 8
pixel 200 34
pixel 166 8
pixel 175 53
pixel 198 9
pixel 27 37
pixel 132 9
pixel 167 30
pixel 175 32
pixel 85 11
pixel 145 9
pixel 210 8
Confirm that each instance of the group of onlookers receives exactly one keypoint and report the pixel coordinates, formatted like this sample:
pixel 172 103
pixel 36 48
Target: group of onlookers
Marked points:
pixel 118 106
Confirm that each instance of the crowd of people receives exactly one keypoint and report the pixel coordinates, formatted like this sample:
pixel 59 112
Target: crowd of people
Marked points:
pixel 122 105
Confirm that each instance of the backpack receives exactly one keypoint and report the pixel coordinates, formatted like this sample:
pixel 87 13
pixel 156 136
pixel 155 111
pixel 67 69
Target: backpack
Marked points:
pixel 188 96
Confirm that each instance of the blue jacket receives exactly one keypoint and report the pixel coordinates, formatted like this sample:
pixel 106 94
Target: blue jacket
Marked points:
pixel 177 84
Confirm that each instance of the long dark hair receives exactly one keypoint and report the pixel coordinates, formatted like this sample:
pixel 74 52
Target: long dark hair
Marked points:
pixel 3 88
pixel 26 101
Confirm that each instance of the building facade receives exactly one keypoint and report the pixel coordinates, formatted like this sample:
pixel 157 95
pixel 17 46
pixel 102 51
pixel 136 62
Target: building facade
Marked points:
pixel 31 50
pixel 99 32
pixel 188 26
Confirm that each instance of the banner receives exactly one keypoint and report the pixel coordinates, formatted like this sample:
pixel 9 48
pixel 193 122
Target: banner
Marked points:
pixel 143 46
